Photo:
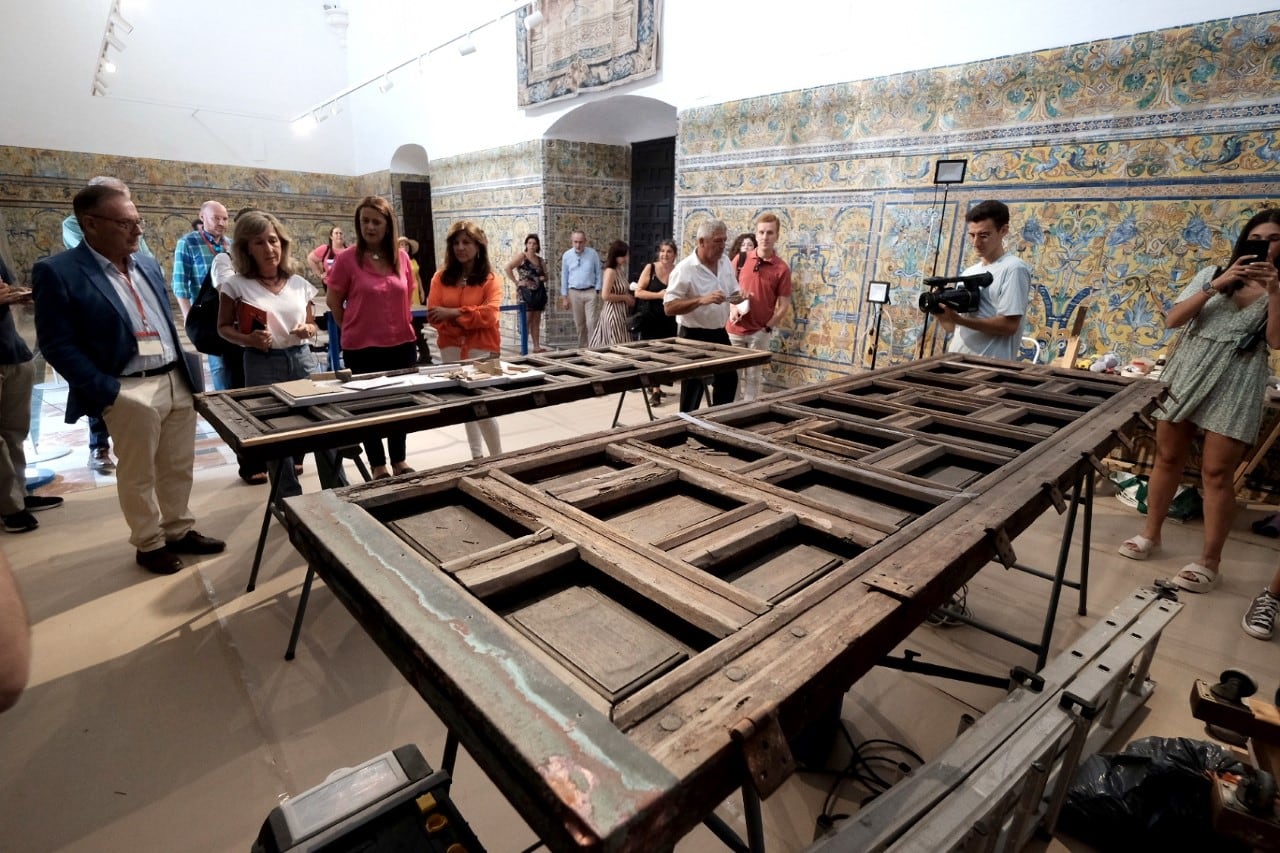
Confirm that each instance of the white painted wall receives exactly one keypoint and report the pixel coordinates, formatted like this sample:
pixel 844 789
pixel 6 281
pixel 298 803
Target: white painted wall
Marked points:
pixel 265 61
pixel 710 56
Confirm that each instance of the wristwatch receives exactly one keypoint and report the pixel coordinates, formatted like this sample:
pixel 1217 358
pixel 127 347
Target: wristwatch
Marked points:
pixel 1208 287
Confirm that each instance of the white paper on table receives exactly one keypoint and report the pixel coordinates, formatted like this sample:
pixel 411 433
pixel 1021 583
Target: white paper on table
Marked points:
pixel 375 382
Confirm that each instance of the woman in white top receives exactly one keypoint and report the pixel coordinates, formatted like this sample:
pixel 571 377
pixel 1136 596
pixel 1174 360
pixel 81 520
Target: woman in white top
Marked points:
pixel 266 308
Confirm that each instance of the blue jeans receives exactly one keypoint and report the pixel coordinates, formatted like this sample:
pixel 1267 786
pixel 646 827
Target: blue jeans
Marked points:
pixel 219 373
pixel 282 365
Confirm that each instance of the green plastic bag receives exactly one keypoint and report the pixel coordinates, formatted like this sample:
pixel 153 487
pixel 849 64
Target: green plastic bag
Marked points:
pixel 1132 490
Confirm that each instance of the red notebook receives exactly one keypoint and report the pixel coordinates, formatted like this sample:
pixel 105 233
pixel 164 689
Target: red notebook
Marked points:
pixel 250 318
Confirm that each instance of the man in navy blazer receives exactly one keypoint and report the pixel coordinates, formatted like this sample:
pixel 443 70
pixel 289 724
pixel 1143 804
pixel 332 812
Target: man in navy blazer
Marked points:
pixel 103 322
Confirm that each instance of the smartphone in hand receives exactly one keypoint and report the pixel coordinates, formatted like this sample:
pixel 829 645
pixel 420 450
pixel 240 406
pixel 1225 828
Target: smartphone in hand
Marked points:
pixel 1258 249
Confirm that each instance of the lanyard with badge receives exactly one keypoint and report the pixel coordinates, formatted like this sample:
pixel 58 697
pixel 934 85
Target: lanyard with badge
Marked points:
pixel 216 247
pixel 149 337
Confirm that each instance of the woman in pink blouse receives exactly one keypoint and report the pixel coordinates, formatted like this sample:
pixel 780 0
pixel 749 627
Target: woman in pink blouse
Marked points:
pixel 370 289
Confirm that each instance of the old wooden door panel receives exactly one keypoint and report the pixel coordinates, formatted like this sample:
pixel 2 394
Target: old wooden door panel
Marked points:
pixel 813 541
pixel 456 526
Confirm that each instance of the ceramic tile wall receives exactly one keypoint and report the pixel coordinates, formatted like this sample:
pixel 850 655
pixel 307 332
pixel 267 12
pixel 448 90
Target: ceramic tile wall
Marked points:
pixel 37 185
pixel 543 187
pixel 1128 164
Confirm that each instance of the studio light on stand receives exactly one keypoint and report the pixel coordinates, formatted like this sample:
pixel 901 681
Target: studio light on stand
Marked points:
pixel 877 295
pixel 945 173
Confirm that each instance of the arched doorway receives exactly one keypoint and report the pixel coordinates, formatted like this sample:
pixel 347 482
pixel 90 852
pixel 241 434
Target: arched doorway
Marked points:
pixel 648 127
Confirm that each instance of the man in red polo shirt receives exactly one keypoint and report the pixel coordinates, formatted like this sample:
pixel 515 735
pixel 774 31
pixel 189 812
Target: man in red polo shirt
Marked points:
pixel 765 279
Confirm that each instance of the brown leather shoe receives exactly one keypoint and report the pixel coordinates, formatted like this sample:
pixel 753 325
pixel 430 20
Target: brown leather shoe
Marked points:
pixel 160 561
pixel 100 461
pixel 194 543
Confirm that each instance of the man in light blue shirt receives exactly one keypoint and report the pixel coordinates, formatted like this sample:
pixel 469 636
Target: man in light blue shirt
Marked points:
pixel 580 280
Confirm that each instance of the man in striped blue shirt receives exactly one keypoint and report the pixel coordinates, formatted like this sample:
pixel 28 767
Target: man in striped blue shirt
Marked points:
pixel 191 261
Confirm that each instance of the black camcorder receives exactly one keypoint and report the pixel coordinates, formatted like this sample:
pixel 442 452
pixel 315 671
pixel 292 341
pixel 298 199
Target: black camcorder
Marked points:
pixel 958 292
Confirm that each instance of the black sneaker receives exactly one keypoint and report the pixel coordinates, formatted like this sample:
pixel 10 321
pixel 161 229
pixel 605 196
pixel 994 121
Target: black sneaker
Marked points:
pixel 39 503
pixel 1259 620
pixel 20 522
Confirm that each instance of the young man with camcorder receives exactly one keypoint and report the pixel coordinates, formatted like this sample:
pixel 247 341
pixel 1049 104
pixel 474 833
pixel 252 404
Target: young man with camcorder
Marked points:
pixel 995 329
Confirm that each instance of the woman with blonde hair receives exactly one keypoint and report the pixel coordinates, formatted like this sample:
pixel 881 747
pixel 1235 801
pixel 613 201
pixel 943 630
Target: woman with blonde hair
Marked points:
pixel 266 308
pixel 370 291
pixel 463 305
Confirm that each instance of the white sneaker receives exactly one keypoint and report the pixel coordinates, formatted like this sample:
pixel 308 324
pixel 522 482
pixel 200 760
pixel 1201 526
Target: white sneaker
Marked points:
pixel 1260 619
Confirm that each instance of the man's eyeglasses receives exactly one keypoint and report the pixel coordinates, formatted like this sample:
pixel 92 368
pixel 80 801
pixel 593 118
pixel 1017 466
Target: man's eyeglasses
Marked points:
pixel 126 224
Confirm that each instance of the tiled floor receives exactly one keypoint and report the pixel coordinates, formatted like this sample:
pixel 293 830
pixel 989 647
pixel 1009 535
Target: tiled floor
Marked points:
pixel 161 715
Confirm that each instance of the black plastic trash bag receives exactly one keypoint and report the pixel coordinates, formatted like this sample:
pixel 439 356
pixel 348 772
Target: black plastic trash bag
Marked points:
pixel 1156 792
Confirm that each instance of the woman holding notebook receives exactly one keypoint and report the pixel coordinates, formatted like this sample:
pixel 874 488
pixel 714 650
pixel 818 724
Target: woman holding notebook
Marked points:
pixel 266 308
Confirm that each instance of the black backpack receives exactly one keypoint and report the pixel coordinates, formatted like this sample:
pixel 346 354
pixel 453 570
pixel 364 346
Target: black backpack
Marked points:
pixel 202 321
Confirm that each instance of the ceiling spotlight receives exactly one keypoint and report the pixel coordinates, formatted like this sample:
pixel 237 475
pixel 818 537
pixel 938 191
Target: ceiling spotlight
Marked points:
pixel 533 20
pixel 119 23
pixel 108 66
pixel 113 40
pixel 304 124
pixel 319 115
pixel 466 46
pixel 335 108
pixel 99 89
pixel 385 84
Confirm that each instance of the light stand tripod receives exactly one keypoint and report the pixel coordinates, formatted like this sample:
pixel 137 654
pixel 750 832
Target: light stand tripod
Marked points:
pixel 877 295
pixel 946 173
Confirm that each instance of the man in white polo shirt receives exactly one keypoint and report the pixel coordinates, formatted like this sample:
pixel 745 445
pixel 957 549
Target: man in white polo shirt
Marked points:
pixel 698 297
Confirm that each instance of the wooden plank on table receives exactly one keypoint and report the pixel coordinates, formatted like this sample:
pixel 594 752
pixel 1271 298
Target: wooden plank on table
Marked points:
pixel 613 486
pixel 716 522
pixel 660 518
pixel 726 546
pixel 601 641
pixel 516 569
pixel 502 549
pixel 448 532
pixel 905 457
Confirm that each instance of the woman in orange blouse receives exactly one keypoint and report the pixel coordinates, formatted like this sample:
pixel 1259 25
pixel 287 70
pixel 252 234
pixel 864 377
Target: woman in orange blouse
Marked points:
pixel 463 305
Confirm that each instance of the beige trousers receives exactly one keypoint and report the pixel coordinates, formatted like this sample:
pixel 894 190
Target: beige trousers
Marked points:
pixel 585 305
pixel 153 427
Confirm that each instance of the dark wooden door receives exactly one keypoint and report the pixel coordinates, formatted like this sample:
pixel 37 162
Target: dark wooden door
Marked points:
pixel 653 189
pixel 415 198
